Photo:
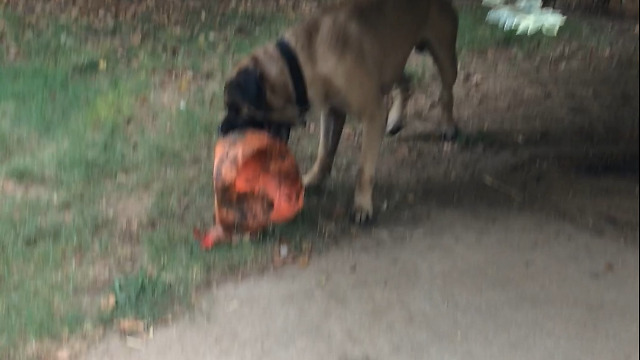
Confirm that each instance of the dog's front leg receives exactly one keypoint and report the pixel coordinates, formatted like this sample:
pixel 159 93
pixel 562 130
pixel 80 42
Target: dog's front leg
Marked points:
pixel 331 125
pixel 373 132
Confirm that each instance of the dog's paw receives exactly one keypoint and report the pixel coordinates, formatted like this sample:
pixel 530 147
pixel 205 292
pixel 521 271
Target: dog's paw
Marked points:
pixel 362 212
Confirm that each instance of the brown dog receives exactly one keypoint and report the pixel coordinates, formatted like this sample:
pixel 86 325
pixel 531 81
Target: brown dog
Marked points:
pixel 345 60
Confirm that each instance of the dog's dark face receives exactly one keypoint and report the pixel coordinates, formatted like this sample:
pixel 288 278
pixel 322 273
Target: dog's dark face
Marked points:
pixel 247 106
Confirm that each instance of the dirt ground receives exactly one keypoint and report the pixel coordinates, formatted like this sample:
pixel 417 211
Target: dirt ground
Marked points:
pixel 518 242
pixel 555 134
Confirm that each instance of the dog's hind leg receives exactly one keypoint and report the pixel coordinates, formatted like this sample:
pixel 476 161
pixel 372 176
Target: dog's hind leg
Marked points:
pixel 442 30
pixel 331 125
pixel 399 97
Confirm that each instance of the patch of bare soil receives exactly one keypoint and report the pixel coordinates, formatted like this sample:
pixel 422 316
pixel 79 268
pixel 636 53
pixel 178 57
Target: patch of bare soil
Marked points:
pixel 556 134
pixel 12 188
pixel 598 191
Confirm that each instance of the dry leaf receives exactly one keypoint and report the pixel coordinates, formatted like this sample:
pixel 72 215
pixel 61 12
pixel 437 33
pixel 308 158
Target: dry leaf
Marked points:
pixel 63 354
pixel 102 65
pixel 303 260
pixel 185 81
pixel 13 53
pixel 608 267
pixel 130 326
pixel 108 303
pixel 136 38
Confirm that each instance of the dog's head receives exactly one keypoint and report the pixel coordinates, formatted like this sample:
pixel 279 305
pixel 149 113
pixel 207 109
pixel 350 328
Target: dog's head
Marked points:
pixel 255 100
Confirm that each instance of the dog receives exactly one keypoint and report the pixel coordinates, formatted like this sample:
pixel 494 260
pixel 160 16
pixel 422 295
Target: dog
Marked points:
pixel 346 59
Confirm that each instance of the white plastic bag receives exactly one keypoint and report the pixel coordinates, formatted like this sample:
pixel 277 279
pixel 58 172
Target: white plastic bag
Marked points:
pixel 526 16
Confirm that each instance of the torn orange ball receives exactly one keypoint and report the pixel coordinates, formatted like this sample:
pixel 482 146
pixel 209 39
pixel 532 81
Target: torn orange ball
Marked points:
pixel 256 182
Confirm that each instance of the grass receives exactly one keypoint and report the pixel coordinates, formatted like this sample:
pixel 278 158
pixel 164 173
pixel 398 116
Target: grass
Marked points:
pixel 80 143
pixel 104 173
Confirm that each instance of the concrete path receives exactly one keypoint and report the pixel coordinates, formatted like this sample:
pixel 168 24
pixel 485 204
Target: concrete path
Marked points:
pixel 460 285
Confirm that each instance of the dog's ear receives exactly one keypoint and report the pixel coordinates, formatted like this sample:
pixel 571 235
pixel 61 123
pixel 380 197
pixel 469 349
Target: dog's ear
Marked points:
pixel 246 89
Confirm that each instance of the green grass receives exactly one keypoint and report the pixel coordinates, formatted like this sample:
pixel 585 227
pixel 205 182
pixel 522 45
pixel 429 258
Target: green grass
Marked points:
pixel 77 141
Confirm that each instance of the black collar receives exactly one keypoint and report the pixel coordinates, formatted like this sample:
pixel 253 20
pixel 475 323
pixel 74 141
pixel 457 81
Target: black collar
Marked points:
pixel 299 86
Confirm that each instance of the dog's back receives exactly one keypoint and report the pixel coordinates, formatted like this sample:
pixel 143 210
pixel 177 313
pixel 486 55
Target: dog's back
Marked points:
pixel 376 34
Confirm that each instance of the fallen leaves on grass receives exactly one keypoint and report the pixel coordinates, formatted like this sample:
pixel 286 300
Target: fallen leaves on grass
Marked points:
pixel 17 189
pixel 185 81
pixel 12 52
pixel 136 38
pixel 107 14
pixel 102 65
pixel 108 303
pixel 130 326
